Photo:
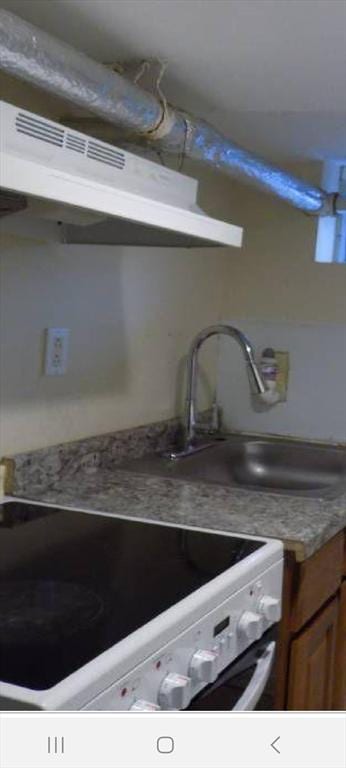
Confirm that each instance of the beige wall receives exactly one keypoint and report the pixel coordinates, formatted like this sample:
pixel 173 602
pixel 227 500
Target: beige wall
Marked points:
pixel 276 277
pixel 132 313
pixel 282 298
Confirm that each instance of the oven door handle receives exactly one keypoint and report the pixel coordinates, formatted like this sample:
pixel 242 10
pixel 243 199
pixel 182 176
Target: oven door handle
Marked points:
pixel 258 682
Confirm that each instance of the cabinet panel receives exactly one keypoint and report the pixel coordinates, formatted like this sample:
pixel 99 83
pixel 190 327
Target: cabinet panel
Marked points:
pixel 340 654
pixel 316 580
pixel 312 659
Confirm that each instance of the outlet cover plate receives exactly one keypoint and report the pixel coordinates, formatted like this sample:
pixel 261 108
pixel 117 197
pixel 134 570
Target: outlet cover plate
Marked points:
pixel 56 351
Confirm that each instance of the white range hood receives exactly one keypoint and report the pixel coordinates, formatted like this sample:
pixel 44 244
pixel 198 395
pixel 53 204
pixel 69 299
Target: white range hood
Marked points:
pixel 99 193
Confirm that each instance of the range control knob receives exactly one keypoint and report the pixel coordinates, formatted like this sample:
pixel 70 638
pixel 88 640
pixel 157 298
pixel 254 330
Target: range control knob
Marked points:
pixel 175 692
pixel 251 625
pixel 203 666
pixel 140 705
pixel 269 607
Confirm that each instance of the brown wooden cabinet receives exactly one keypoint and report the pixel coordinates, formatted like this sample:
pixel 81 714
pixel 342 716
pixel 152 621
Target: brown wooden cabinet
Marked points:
pixel 311 662
pixel 339 700
pixel 311 659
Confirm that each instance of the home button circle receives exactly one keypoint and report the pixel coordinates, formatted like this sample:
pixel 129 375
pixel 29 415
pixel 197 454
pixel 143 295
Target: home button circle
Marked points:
pixel 165 745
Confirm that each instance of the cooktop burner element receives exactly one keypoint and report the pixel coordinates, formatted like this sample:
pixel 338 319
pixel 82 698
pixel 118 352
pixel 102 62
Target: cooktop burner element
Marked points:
pixel 75 584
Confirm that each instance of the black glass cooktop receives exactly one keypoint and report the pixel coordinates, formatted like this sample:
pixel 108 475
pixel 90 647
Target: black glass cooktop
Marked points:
pixel 73 584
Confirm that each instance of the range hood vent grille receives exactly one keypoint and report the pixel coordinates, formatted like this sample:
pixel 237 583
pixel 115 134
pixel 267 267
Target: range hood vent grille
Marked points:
pixel 105 155
pixel 43 130
pixel 75 143
pixel 39 129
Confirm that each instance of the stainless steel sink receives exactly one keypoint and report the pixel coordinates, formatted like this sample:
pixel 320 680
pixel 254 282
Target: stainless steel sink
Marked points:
pixel 274 466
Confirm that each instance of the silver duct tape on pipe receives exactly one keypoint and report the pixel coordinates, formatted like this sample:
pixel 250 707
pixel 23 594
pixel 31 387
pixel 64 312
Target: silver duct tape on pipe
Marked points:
pixel 39 58
pixel 205 143
pixel 32 55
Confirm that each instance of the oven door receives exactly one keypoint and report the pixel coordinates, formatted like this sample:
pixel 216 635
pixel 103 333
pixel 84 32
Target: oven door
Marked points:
pixel 247 684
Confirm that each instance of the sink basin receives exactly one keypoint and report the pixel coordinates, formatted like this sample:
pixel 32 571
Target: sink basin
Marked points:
pixel 273 466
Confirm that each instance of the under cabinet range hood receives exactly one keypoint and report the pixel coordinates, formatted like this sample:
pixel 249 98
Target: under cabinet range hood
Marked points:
pixel 98 193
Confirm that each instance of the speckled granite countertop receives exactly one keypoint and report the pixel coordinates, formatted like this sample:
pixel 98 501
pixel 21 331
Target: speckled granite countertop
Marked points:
pixel 86 474
pixel 304 524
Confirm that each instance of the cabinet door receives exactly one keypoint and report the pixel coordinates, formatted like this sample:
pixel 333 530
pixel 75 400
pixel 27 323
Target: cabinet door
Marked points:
pixel 312 658
pixel 340 654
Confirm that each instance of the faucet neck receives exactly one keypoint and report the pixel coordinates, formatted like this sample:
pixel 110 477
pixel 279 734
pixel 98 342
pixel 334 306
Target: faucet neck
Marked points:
pixel 192 370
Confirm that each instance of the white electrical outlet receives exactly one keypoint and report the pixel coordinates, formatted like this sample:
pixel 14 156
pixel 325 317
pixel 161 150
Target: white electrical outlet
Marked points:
pixel 56 351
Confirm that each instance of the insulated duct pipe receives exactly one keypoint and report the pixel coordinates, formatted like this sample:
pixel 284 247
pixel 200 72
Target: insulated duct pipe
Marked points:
pixel 42 60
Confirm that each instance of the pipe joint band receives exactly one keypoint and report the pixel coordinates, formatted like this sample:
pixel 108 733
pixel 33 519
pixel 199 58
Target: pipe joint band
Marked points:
pixel 164 126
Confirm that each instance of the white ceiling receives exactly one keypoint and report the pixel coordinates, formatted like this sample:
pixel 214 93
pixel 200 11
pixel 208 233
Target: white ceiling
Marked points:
pixel 270 73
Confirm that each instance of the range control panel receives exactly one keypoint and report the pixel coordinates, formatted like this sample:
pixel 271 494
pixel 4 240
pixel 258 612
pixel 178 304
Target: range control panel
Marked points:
pixel 171 677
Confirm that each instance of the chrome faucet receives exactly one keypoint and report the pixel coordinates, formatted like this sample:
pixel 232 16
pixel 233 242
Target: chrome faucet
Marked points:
pixel 190 423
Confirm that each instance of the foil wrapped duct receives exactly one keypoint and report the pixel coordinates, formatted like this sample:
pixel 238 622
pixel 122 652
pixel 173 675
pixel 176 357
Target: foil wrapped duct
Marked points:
pixel 40 59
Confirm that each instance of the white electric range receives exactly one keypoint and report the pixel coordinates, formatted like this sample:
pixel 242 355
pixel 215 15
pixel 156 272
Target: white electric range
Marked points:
pixel 99 612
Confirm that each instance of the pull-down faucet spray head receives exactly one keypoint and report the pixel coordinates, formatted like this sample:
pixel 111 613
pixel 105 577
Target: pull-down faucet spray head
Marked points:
pixel 192 371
